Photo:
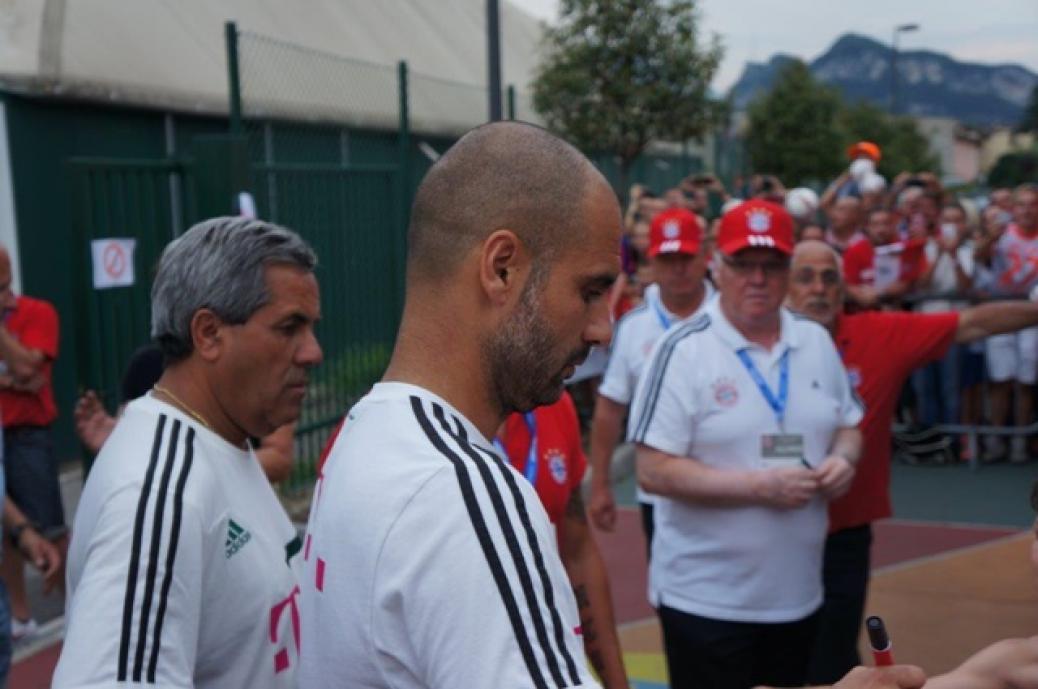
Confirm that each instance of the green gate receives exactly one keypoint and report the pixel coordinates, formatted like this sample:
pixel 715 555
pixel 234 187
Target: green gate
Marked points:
pixel 147 201
pixel 350 214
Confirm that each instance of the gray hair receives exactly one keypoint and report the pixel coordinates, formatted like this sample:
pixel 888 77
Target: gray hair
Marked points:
pixel 219 264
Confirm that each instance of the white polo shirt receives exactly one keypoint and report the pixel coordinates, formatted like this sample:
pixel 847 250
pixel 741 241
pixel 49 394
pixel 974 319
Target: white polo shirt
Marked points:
pixel 697 399
pixel 636 334
pixel 429 561
pixel 181 571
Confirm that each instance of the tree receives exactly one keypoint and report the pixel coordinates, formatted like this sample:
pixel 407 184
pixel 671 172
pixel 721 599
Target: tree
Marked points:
pixel 801 129
pixel 903 146
pixel 1014 168
pixel 1029 121
pixel 619 74
pixel 793 131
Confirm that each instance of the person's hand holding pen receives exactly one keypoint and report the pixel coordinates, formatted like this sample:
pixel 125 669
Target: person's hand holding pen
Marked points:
pixel 892 677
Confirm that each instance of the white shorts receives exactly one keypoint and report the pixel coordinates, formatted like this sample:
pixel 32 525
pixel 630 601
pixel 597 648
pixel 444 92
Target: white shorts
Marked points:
pixel 1013 356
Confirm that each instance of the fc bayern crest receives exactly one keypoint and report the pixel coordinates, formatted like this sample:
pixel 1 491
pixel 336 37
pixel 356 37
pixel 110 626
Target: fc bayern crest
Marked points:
pixel 557 466
pixel 671 229
pixel 725 392
pixel 759 220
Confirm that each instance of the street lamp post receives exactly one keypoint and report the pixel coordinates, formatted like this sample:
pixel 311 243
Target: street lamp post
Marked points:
pixel 493 61
pixel 898 30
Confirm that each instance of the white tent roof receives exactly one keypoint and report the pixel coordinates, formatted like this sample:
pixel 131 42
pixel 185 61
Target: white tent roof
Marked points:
pixel 170 54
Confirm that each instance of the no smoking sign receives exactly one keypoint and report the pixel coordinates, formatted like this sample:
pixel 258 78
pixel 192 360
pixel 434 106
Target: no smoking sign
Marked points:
pixel 113 262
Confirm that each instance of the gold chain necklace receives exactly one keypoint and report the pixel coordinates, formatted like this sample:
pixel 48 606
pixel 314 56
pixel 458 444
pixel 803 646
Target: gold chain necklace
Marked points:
pixel 180 403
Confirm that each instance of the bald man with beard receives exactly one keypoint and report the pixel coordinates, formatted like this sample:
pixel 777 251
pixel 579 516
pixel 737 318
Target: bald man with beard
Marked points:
pixel 879 350
pixel 429 561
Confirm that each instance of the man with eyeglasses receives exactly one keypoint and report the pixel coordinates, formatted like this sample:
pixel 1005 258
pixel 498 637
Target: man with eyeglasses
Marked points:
pixel 745 420
pixel 879 350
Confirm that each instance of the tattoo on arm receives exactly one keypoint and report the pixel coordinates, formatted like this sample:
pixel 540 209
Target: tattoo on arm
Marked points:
pixel 587 623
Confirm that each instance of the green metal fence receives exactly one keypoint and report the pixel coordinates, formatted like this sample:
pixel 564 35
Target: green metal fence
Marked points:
pixel 331 147
pixel 329 157
pixel 144 200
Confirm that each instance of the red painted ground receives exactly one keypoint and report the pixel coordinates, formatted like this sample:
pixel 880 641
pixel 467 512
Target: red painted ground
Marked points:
pixel 894 542
pixel 35 671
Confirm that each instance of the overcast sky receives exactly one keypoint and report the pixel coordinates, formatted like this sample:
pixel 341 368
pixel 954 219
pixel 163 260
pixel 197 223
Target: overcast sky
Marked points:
pixel 987 31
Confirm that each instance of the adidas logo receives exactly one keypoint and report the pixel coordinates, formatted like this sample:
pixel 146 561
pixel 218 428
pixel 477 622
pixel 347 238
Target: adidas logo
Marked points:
pixel 237 537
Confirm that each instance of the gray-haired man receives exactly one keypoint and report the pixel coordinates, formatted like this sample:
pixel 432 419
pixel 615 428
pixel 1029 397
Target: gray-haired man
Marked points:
pixel 181 569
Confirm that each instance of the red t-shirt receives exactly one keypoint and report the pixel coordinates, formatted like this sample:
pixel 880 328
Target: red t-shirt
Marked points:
pixel 880 350
pixel 859 262
pixel 560 458
pixel 34 323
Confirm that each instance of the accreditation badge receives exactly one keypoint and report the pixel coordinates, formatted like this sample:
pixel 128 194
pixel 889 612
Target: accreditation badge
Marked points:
pixel 782 449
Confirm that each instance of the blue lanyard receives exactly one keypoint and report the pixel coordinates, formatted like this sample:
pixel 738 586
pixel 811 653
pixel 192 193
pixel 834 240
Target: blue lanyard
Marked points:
pixel 532 460
pixel 777 403
pixel 664 320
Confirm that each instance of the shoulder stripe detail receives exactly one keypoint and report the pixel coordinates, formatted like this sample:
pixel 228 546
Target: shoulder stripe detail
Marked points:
pixel 461 437
pixel 659 368
pixel 549 593
pixel 171 553
pixel 135 552
pixel 153 556
pixel 485 541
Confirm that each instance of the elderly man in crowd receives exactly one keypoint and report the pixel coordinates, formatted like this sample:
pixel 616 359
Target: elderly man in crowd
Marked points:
pixel 746 421
pixel 880 350
pixel 181 568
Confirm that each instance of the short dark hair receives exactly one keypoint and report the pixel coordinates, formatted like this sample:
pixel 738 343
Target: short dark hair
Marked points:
pixel 500 175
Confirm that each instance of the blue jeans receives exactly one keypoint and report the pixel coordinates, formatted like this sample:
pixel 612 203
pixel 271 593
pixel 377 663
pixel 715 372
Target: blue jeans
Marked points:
pixel 937 389
pixel 5 635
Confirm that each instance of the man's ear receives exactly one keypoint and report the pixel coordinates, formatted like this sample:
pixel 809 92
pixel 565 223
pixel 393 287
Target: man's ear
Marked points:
pixel 207 334
pixel 503 266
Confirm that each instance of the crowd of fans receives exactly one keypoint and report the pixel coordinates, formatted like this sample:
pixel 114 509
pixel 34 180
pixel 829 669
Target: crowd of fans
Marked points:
pixel 907 245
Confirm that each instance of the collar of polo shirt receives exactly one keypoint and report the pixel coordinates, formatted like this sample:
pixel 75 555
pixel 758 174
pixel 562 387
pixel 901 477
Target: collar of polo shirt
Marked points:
pixel 788 335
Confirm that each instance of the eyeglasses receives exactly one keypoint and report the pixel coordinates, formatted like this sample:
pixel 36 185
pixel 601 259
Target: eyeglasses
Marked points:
pixel 807 276
pixel 744 267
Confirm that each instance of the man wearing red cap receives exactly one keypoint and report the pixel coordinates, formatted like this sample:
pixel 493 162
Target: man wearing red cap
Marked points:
pixel 678 263
pixel 745 420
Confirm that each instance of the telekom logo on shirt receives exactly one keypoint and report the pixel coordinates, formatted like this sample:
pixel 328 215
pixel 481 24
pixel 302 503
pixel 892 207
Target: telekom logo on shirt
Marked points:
pixel 281 656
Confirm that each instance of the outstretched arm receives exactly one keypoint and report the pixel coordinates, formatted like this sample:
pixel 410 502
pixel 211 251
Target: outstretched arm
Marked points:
pixel 996 317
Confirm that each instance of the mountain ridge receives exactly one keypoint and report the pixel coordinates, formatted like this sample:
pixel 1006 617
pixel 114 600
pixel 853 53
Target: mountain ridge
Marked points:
pixel 930 84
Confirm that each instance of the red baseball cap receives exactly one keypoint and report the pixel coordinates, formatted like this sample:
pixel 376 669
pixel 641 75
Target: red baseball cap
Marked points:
pixel 674 231
pixel 756 224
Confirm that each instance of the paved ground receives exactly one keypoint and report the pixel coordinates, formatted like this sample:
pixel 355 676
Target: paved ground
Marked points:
pixel 951 573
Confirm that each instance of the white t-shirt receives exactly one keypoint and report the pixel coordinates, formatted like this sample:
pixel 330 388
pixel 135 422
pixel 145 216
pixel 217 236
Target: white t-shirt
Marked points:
pixel 697 399
pixel 180 568
pixel 944 279
pixel 429 561
pixel 636 334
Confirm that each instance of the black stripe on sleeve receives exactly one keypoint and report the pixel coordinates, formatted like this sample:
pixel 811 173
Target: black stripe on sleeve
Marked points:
pixel 153 555
pixel 538 558
pixel 135 551
pixel 659 368
pixel 485 542
pixel 171 552
pixel 518 558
